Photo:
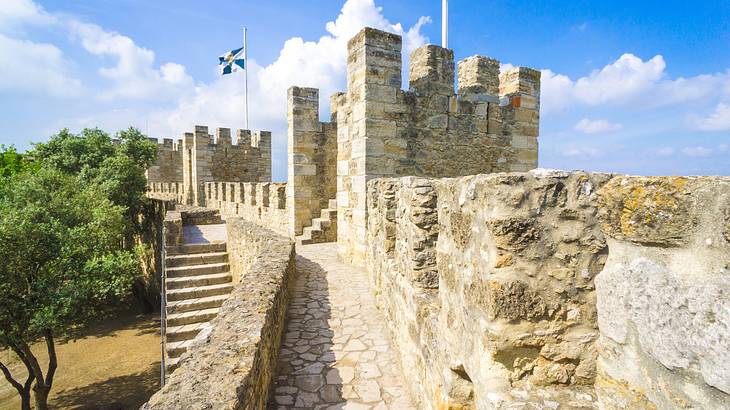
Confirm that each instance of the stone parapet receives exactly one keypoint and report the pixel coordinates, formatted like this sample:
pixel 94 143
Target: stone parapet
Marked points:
pixel 264 204
pixel 664 295
pixel 232 365
pixel 199 158
pixel 312 159
pixel 580 289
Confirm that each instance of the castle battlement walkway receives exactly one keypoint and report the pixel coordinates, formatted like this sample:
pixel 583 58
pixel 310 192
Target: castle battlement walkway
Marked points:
pixel 335 353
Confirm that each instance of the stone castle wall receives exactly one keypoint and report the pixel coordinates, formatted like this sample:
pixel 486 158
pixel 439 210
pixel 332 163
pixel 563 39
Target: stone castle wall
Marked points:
pixel 490 125
pixel 664 295
pixel 184 167
pixel 232 366
pixel 168 167
pixel 263 204
pixel 312 159
pixel 489 284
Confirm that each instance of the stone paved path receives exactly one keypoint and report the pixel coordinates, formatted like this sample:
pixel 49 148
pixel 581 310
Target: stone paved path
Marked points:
pixel 336 353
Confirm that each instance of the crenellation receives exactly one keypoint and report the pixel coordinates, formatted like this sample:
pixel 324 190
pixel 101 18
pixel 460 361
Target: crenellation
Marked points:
pixel 478 75
pixel 501 285
pixel 432 71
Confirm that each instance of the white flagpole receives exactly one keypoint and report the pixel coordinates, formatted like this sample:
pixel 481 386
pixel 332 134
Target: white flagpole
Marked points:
pixel 445 23
pixel 245 74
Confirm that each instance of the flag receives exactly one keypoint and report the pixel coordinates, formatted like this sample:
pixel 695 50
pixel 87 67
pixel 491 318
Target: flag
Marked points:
pixel 231 61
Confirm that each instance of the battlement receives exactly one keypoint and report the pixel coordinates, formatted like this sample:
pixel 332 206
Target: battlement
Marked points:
pixel 200 157
pixel 489 123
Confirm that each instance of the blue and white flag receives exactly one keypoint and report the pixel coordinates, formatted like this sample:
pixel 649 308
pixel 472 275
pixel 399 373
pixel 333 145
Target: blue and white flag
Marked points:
pixel 231 61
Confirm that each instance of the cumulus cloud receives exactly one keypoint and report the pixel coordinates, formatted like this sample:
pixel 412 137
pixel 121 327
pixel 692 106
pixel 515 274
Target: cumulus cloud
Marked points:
pixel 36 67
pixel 587 126
pixel 628 80
pixel 134 75
pixel 718 120
pixel 15 13
pixel 321 64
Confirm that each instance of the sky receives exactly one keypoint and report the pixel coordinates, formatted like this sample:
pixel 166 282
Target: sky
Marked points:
pixel 631 87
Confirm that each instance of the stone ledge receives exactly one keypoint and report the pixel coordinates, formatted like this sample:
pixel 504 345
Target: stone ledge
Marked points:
pixel 231 366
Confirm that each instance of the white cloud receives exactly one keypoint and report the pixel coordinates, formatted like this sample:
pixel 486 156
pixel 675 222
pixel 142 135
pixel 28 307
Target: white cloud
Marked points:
pixel 580 152
pixel 718 120
pixel 697 151
pixel 36 67
pixel 134 74
pixel 15 13
pixel 628 80
pixel 321 64
pixel 587 126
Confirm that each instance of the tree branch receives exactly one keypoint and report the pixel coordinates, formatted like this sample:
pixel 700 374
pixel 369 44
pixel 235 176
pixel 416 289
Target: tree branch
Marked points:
pixel 52 359
pixel 32 361
pixel 9 377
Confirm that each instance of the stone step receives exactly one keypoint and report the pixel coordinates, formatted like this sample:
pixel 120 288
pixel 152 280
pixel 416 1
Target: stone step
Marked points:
pixel 332 204
pixel 197 270
pixel 195 248
pixel 311 235
pixel 329 214
pixel 320 224
pixel 176 349
pixel 184 332
pixel 197 281
pixel 188 305
pixel 195 316
pixel 196 259
pixel 199 292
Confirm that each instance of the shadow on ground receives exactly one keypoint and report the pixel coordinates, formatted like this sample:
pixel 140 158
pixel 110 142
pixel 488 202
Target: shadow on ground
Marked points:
pixel 117 393
pixel 306 376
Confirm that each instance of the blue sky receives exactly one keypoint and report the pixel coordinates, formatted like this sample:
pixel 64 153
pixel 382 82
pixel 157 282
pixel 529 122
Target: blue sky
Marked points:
pixel 630 87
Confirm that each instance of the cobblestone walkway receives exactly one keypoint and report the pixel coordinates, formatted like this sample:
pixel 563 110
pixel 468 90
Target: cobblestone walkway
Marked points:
pixel 335 353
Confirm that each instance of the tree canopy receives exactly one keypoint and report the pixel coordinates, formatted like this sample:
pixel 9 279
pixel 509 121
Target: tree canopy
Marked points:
pixel 68 211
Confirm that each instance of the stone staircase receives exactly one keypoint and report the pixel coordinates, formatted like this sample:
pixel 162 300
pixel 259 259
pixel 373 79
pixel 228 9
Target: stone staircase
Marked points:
pixel 198 281
pixel 324 228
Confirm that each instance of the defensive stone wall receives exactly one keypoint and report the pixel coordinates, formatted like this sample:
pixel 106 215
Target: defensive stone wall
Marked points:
pixel 312 159
pixel 188 164
pixel 488 283
pixel 168 167
pixel 664 294
pixel 489 125
pixel 264 204
pixel 232 365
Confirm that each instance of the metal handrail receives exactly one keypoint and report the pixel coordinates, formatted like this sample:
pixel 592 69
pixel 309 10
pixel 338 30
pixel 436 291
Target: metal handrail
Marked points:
pixel 163 310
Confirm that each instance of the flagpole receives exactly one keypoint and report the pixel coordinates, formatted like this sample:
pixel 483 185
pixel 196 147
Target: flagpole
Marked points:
pixel 245 73
pixel 445 23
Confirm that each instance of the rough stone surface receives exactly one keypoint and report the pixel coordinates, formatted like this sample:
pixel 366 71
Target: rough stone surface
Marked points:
pixel 509 316
pixel 335 351
pixel 231 366
pixel 264 204
pixel 664 315
pixel 182 169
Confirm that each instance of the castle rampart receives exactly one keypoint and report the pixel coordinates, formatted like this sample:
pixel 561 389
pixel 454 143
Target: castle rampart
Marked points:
pixel 504 286
pixel 200 158
pixel 590 290
pixel 490 125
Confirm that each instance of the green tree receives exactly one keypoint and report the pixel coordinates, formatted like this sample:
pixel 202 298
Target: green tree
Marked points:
pixel 61 264
pixel 13 162
pixel 117 167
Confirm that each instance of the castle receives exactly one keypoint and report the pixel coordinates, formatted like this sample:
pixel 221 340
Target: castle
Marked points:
pixel 500 283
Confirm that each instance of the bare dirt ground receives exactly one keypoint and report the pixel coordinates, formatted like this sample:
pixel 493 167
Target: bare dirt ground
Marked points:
pixel 112 365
